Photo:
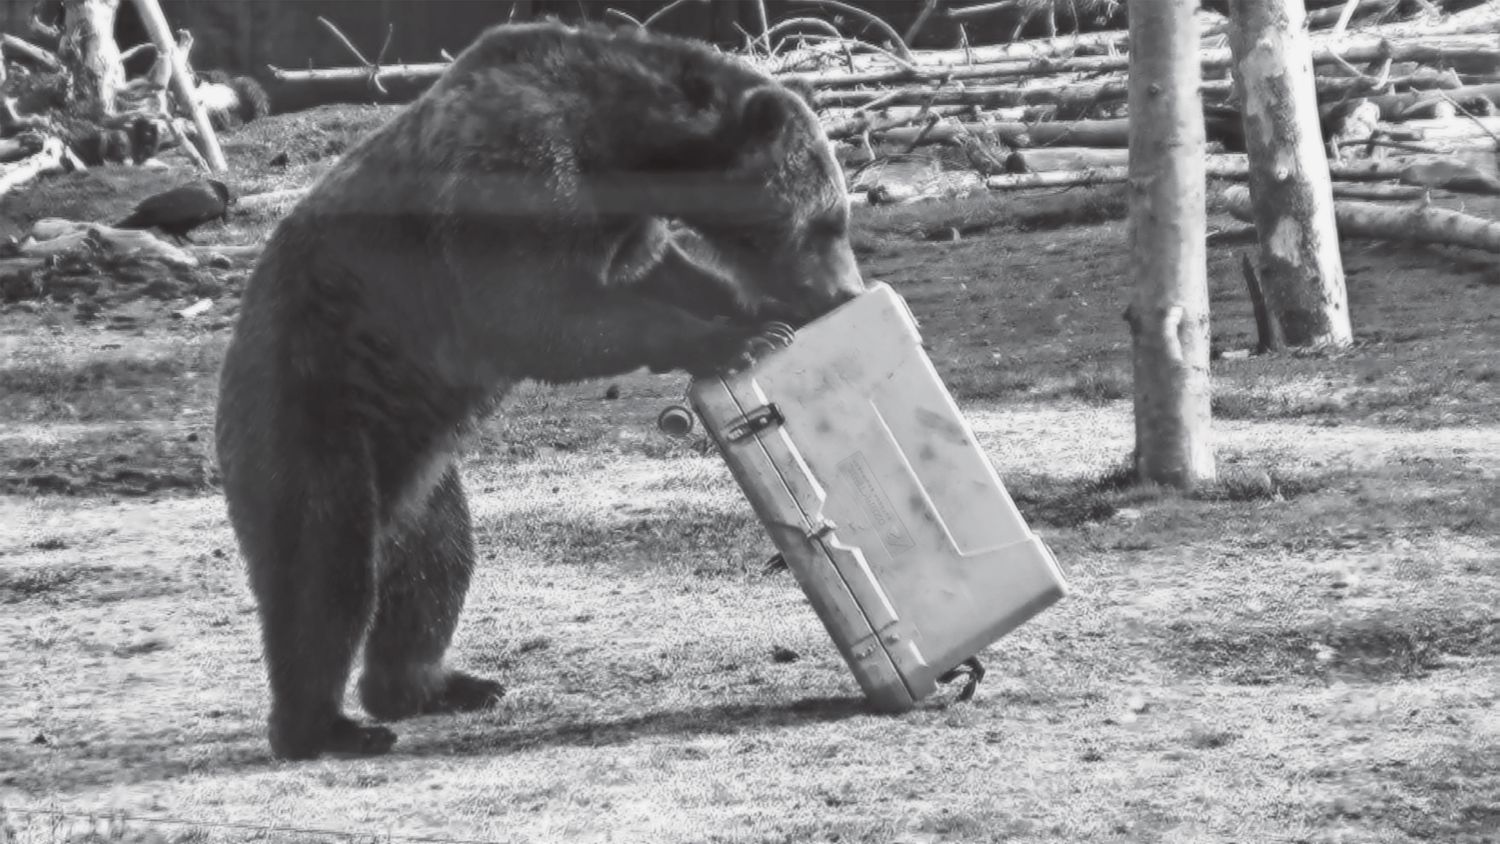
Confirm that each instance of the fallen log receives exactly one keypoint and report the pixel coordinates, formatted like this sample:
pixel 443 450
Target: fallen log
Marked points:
pixel 1424 82
pixel 1062 45
pixel 1420 223
pixel 840 119
pixel 54 236
pixel 851 125
pixel 1480 22
pixel 13 122
pixel 1058 179
pixel 1070 98
pixel 206 251
pixel 1452 128
pixel 1049 159
pixel 15 46
pixel 1231 167
pixel 1484 17
pixel 1351 49
pixel 1339 15
pixel 196 309
pixel 1104 135
pixel 52 158
pixel 1379 169
pixel 418 72
pixel 17 148
pixel 1082 133
pixel 1413 103
pixel 265 200
pixel 1451 175
pixel 1379 192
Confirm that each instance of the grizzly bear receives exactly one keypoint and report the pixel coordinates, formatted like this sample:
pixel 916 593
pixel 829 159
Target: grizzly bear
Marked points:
pixel 543 212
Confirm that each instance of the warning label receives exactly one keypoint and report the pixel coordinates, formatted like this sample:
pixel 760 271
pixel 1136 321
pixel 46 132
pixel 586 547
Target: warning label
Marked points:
pixel 883 517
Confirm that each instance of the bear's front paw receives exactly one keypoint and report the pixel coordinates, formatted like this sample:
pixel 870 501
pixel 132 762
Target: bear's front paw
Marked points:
pixel 768 338
pixel 725 349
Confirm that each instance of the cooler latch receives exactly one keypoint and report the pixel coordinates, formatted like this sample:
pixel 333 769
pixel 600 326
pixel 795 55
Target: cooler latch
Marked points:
pixel 762 418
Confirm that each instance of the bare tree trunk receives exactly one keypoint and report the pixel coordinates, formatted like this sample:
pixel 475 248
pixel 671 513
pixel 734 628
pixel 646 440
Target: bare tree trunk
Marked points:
pixel 1168 313
pixel 1301 272
pixel 89 51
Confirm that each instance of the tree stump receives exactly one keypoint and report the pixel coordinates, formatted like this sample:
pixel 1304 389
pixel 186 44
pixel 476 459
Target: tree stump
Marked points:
pixel 89 51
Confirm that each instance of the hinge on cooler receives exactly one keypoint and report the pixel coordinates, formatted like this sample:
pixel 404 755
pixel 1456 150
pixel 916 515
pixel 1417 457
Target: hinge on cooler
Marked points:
pixel 778 563
pixel 892 635
pixel 753 422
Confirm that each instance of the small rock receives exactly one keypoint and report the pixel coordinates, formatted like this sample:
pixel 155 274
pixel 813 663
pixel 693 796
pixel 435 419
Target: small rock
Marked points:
pixel 784 654
pixel 613 392
pixel 41 739
pixel 1345 807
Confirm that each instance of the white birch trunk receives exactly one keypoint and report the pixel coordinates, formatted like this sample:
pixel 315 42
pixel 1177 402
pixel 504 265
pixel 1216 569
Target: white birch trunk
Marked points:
pixel 1168 313
pixel 1301 271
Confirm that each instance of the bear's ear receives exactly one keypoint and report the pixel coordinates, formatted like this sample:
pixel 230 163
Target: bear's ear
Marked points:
pixel 765 112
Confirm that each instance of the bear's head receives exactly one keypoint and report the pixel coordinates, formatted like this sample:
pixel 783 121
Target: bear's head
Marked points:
pixel 781 225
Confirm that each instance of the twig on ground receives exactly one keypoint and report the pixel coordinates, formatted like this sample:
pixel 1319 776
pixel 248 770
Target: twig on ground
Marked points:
pixel 373 69
pixel 22 47
pixel 815 23
pixel 920 23
pixel 854 11
pixel 664 10
pixel 848 43
pixel 616 13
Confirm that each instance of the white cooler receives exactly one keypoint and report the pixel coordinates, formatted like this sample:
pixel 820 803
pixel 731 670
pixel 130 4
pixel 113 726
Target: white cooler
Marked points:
pixel 875 491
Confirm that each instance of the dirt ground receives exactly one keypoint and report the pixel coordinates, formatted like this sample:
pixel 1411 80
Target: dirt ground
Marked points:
pixel 1308 650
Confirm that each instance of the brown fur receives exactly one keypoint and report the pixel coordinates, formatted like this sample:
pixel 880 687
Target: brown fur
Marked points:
pixel 512 223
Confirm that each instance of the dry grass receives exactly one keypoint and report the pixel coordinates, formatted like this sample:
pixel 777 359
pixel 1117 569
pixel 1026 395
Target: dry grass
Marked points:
pixel 1307 650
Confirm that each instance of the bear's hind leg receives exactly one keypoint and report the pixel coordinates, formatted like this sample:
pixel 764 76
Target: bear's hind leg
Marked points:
pixel 426 568
pixel 312 569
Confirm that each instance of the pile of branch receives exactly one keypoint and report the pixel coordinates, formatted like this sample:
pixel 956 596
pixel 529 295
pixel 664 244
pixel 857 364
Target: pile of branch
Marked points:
pixel 1045 112
pixel 1051 112
pixel 104 118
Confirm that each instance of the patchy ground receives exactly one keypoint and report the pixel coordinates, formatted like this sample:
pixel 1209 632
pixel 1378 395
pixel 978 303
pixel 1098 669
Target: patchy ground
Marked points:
pixel 1308 651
